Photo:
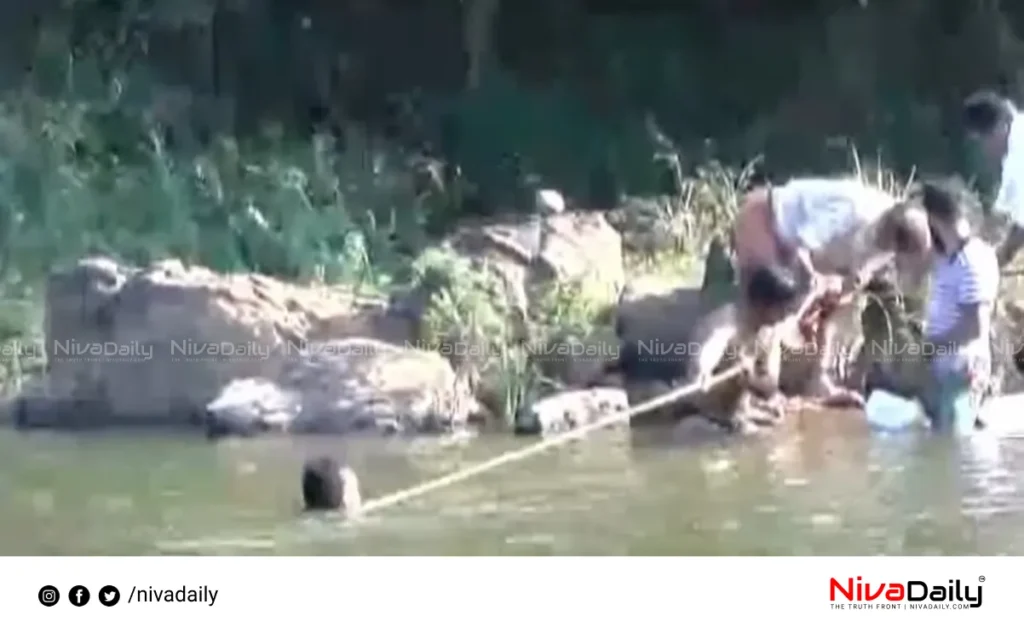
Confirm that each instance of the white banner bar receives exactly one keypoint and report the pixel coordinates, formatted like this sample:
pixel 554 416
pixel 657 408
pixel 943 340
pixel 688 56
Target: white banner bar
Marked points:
pixel 508 594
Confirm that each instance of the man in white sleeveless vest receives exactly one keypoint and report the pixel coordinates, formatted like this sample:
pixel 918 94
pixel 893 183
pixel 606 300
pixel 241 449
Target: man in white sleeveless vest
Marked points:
pixel 838 233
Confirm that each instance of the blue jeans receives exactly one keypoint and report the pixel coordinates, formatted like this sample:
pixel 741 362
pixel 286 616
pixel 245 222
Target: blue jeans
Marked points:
pixel 953 401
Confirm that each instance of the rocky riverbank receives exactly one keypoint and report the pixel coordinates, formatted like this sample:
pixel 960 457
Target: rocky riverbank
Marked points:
pixel 531 323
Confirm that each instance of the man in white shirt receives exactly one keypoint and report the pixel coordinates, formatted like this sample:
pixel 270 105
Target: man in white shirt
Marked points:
pixel 994 122
pixel 965 283
pixel 827 228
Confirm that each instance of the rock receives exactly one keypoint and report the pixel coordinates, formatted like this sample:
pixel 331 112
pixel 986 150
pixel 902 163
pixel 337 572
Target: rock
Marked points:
pixel 656 317
pixel 568 410
pixel 344 386
pixel 1008 345
pixel 647 226
pixel 579 360
pixel 476 291
pixel 886 333
pixel 720 280
pixel 141 345
pixel 568 247
pixel 654 309
pixel 549 201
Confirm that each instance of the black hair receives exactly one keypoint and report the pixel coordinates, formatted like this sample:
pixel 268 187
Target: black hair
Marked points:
pixel 772 286
pixel 984 110
pixel 322 485
pixel 946 199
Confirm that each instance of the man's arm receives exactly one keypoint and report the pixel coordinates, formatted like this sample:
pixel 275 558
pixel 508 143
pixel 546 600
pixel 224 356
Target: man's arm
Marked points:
pixel 765 379
pixel 713 338
pixel 805 262
pixel 871 267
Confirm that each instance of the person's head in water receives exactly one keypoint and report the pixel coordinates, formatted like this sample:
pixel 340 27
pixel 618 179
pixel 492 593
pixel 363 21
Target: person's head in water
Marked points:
pixel 771 291
pixel 944 202
pixel 987 117
pixel 327 485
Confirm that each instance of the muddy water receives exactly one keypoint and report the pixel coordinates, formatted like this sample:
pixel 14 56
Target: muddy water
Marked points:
pixel 830 488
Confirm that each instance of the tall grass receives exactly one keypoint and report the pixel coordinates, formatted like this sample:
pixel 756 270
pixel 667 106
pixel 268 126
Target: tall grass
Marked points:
pixel 93 175
pixel 82 176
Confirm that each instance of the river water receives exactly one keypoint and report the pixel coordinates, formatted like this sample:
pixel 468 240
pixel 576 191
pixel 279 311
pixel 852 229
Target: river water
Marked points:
pixel 830 487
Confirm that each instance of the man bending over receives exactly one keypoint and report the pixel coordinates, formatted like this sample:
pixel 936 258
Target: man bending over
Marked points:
pixel 824 230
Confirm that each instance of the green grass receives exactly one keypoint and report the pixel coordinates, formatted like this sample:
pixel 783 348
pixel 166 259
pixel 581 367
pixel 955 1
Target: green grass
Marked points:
pixel 90 176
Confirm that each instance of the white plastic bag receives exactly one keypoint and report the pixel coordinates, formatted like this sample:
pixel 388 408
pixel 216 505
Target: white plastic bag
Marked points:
pixel 887 411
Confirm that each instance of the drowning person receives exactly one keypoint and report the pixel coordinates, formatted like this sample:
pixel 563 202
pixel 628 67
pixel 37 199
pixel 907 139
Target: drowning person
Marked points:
pixel 328 485
pixel 958 325
pixel 730 335
pixel 836 234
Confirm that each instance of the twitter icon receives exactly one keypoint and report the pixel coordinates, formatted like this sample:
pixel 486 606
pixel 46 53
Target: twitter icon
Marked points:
pixel 109 596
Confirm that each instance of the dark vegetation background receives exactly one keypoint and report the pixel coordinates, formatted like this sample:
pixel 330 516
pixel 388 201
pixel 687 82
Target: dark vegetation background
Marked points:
pixel 299 137
pixel 333 140
pixel 564 87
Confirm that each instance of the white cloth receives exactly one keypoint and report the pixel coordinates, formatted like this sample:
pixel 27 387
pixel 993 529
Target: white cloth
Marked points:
pixel 1010 199
pixel 817 212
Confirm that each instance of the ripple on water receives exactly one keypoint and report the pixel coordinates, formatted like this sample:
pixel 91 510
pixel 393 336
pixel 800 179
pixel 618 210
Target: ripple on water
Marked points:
pixel 823 520
pixel 717 465
pixel 217 546
pixel 532 539
pixel 43 502
pixel 114 503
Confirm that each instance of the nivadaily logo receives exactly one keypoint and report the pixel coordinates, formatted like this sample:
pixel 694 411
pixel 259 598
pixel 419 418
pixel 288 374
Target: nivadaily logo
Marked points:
pixel 911 594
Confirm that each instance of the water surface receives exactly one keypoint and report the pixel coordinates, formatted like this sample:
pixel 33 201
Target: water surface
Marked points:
pixel 830 488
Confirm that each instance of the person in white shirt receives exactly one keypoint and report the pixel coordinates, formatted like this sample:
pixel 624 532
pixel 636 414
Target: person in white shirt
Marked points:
pixel 994 123
pixel 964 287
pixel 829 229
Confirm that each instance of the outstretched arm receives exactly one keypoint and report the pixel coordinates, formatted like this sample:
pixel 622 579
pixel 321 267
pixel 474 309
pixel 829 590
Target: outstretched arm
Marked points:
pixel 868 270
pixel 712 350
pixel 712 337
pixel 765 375
pixel 806 262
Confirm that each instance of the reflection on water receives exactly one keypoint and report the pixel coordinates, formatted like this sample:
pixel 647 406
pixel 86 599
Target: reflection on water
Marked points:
pixel 827 488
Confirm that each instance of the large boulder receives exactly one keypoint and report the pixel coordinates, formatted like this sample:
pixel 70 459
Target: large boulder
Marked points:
pixel 572 247
pixel 142 345
pixel 487 289
pixel 655 322
pixel 571 409
pixel 346 386
pixel 526 255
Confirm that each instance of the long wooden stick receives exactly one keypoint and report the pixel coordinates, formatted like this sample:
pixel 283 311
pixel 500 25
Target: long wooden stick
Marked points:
pixel 547 443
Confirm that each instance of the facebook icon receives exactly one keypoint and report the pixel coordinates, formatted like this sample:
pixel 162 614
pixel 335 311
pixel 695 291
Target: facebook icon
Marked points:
pixel 79 596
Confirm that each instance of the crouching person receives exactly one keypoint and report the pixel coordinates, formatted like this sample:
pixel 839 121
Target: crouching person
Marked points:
pixel 749 337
